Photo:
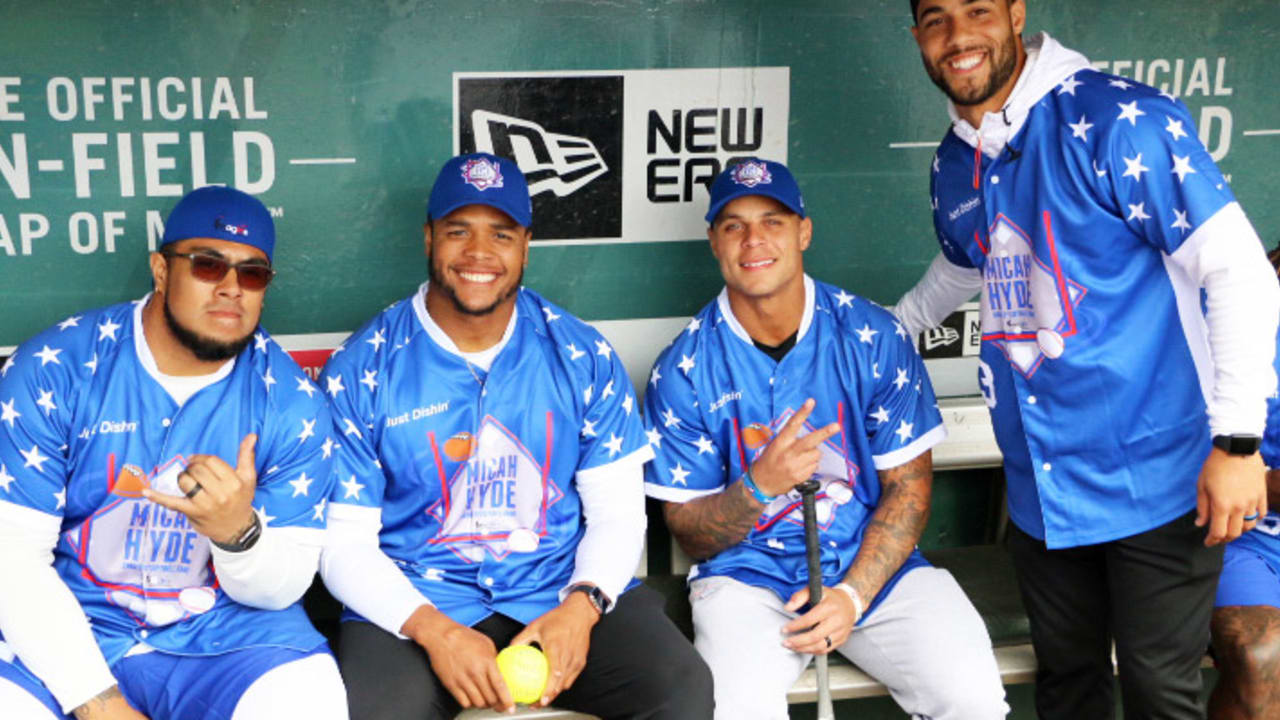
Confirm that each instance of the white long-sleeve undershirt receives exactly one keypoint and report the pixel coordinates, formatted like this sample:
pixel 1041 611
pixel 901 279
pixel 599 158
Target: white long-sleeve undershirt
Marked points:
pixel 944 287
pixel 42 621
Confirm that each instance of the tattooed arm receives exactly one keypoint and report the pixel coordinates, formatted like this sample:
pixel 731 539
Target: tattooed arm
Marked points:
pixel 712 523
pixel 107 705
pixel 895 526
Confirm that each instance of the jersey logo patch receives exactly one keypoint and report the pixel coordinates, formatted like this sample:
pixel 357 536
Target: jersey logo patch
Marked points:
pixel 1028 305
pixel 497 497
pixel 148 560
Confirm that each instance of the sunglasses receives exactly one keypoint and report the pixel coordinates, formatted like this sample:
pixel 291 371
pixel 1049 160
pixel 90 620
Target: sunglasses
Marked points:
pixel 250 275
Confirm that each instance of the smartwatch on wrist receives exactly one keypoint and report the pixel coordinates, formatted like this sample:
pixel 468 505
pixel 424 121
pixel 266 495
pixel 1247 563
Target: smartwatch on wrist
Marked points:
pixel 1238 444
pixel 594 594
pixel 247 539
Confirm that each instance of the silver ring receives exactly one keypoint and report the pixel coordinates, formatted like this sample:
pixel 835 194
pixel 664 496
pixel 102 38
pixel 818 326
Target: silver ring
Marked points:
pixel 828 639
pixel 1251 517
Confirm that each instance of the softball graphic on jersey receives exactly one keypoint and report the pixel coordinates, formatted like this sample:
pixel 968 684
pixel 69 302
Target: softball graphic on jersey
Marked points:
pixel 497 497
pixel 155 565
pixel 1023 309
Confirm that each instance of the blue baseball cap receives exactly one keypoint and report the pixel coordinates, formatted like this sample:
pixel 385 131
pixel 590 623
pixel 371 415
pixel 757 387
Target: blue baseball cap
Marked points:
pixel 221 213
pixel 481 179
pixel 754 176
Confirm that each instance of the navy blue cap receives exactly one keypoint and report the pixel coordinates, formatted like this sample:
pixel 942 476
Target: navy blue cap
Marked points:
pixel 754 176
pixel 481 179
pixel 221 213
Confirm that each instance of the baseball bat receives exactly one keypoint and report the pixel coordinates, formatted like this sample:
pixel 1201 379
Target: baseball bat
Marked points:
pixel 808 492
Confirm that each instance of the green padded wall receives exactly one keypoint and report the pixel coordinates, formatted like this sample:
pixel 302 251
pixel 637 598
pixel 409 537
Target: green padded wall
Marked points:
pixel 353 106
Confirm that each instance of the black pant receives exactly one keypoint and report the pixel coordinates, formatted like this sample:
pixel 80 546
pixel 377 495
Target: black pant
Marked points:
pixel 639 666
pixel 1152 593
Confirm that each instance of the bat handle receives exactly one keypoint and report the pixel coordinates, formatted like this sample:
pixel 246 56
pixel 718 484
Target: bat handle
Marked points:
pixel 808 497
pixel 808 493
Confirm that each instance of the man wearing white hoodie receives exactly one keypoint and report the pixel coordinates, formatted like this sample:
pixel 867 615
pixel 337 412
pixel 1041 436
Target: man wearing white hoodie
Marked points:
pixel 1089 217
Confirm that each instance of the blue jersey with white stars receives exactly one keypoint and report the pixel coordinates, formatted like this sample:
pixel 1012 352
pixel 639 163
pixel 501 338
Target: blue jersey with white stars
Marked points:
pixel 1095 359
pixel 85 425
pixel 715 400
pixel 474 471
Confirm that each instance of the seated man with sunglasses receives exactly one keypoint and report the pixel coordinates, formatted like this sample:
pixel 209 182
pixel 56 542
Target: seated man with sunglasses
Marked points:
pixel 163 473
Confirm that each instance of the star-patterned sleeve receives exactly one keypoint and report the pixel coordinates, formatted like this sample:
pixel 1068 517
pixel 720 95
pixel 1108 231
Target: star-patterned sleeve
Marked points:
pixel 354 568
pixel 42 620
pixel 295 454
pixel 357 472
pixel 1160 175
pixel 1169 191
pixel 687 463
pixel 611 426
pixel 37 392
pixel 902 417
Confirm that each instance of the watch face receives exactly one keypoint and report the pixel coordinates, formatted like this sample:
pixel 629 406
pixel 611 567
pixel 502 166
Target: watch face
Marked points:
pixel 594 594
pixel 1237 444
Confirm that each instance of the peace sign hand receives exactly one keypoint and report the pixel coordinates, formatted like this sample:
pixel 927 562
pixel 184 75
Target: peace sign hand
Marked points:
pixel 790 459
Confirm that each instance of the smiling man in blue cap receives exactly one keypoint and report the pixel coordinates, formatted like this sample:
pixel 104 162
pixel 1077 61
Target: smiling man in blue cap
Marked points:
pixel 490 488
pixel 780 379
pixel 162 497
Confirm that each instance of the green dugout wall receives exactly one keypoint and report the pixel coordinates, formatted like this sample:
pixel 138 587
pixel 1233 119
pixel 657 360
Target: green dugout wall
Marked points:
pixel 338 114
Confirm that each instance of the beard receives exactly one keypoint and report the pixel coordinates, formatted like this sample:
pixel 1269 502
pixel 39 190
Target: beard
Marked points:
pixel 436 275
pixel 204 348
pixel 1004 61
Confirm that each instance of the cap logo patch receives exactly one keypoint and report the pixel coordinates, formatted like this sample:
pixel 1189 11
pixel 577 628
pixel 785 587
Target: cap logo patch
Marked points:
pixel 241 230
pixel 751 174
pixel 481 174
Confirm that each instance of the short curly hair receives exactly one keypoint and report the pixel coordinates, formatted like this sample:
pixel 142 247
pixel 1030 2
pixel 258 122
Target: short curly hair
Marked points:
pixel 915 5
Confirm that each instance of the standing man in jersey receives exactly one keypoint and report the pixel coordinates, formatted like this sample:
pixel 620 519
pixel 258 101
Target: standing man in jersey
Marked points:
pixel 779 379
pixel 1089 216
pixel 490 488
pixel 1246 613
pixel 162 497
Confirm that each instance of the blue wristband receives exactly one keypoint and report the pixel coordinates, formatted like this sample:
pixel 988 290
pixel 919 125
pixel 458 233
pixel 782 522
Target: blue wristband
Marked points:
pixel 754 489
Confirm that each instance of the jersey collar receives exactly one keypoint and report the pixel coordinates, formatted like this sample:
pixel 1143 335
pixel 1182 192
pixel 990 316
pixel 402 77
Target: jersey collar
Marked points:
pixel 441 338
pixel 732 321
pixel 180 388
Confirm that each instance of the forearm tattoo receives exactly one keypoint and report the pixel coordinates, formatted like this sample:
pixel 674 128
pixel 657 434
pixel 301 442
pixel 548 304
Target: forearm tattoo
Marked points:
pixel 895 526
pixel 710 524
pixel 97 702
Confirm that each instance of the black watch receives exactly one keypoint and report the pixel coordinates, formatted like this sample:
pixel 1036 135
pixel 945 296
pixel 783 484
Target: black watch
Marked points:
pixel 1239 444
pixel 594 594
pixel 247 539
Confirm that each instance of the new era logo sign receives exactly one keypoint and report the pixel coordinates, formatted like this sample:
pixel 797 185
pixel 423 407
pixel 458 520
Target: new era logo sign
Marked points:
pixel 935 338
pixel 552 162
pixel 959 335
pixel 565 133
pixel 595 179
